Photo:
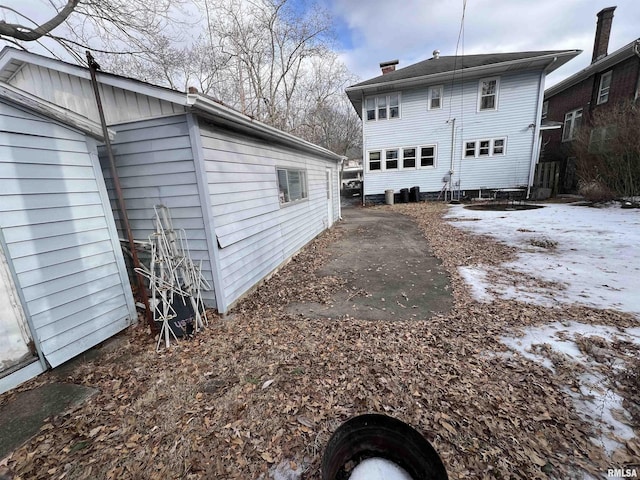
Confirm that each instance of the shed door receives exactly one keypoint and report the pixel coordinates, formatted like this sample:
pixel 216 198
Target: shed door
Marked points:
pixel 329 199
pixel 14 332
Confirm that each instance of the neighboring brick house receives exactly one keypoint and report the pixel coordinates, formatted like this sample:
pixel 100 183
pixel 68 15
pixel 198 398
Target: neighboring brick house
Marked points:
pixel 610 78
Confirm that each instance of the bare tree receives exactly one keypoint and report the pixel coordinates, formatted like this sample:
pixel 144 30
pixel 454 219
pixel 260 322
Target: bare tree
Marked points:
pixel 608 152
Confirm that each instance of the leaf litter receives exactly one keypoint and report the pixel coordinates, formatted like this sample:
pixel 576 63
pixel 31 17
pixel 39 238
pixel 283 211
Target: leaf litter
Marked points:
pixel 264 390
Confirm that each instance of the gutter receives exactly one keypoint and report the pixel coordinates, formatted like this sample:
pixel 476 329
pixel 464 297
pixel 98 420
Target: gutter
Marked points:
pixel 205 105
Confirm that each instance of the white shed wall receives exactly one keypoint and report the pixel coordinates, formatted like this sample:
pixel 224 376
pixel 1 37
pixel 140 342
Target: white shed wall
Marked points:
pixel 255 233
pixel 60 235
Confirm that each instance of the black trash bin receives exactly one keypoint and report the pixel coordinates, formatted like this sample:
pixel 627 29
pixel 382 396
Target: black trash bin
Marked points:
pixel 415 194
pixel 404 195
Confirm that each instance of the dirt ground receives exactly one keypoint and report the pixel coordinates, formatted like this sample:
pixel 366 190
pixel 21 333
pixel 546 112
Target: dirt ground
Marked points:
pixel 262 392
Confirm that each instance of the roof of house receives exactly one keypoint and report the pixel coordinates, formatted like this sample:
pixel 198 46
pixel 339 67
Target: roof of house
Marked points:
pixel 605 63
pixel 444 68
pixel 214 110
pixel 54 112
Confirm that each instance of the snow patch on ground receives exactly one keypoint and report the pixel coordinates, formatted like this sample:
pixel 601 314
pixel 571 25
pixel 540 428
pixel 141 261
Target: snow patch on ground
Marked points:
pixel 582 255
pixel 596 401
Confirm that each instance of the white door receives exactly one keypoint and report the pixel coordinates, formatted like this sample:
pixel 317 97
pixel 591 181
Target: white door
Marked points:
pixel 14 332
pixel 329 199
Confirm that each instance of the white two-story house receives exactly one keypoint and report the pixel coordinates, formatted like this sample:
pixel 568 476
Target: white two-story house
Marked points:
pixel 454 126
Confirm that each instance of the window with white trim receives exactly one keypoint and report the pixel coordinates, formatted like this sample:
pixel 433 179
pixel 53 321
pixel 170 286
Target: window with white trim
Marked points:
pixel 605 86
pixel 391 159
pixel 292 184
pixel 435 97
pixel 409 157
pixel 545 110
pixel 572 122
pixel 427 156
pixel 488 94
pixel 382 107
pixel 487 147
pixel 375 162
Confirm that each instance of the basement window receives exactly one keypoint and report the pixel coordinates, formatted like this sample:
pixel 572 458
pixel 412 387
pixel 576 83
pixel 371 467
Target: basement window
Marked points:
pixel 292 185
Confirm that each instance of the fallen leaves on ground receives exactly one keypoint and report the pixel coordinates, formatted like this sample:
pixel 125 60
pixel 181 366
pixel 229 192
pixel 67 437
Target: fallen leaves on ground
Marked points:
pixel 263 387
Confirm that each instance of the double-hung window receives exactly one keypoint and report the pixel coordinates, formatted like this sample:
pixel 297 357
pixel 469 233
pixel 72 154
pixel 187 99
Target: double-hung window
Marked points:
pixel 488 94
pixel 375 162
pixel 427 156
pixel 382 107
pixel 435 97
pixel 572 122
pixel 605 86
pixel 409 157
pixel 391 159
pixel 292 184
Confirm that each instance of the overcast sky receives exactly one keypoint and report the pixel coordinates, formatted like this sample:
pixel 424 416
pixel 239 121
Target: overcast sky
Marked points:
pixel 373 31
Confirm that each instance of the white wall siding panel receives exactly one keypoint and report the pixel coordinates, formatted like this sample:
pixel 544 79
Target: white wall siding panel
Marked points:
pixel 155 165
pixel 58 229
pixel 518 96
pixel 255 233
pixel 76 94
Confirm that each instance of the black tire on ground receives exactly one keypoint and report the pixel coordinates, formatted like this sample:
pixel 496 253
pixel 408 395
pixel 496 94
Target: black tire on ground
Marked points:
pixel 374 435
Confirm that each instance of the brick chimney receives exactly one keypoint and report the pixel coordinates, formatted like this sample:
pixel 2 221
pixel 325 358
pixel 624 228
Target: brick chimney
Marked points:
pixel 603 32
pixel 388 67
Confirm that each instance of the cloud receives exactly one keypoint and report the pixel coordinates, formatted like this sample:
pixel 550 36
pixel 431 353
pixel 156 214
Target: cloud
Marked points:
pixel 380 30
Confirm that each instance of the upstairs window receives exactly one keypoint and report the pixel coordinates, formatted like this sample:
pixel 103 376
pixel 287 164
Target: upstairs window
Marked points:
pixel 382 107
pixel 488 94
pixel 292 185
pixel 572 122
pixel 435 97
pixel 603 89
pixel 427 156
pixel 391 162
pixel 374 161
pixel 409 158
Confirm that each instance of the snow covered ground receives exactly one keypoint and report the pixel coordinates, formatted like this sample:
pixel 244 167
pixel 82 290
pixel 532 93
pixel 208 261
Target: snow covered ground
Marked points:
pixel 592 254
pixel 570 254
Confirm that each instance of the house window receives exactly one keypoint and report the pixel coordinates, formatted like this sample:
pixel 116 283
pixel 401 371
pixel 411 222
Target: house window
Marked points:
pixel 391 160
pixel 408 158
pixel 427 156
pixel 370 105
pixel 292 184
pixel 603 90
pixel 483 149
pixel 601 138
pixel 545 110
pixel 394 105
pixel 497 147
pixel 572 121
pixel 435 97
pixel 374 161
pixel 488 94
pixel 470 149
pixel 383 107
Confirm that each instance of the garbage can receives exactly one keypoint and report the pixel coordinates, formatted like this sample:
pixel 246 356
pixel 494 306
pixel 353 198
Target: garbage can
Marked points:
pixel 415 194
pixel 404 195
pixel 388 197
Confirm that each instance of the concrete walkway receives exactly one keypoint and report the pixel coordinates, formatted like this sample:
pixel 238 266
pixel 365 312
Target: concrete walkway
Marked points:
pixel 390 269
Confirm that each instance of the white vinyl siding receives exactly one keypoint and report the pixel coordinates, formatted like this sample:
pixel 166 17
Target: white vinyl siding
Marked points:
pixel 60 235
pixel 155 164
pixel 254 234
pixel 419 126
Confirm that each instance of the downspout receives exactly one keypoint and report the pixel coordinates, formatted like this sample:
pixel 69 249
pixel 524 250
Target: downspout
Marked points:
pixel 142 289
pixel 451 170
pixel 364 159
pixel 536 130
pixel 342 160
